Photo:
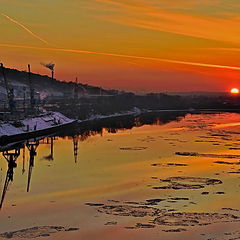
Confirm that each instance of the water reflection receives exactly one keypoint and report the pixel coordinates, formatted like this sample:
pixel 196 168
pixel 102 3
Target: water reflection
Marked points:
pixel 75 147
pixel 23 160
pixel 113 125
pixel 11 157
pixel 49 141
pixel 11 152
pixel 32 147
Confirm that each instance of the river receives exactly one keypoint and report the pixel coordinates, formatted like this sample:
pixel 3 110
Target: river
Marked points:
pixel 162 176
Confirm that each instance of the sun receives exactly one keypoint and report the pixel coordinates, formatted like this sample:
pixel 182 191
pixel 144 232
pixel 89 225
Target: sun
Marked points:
pixel 234 91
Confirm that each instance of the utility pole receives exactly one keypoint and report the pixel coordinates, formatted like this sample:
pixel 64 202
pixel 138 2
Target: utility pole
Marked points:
pixel 32 100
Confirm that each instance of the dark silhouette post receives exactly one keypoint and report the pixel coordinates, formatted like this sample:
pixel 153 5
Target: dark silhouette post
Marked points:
pixel 50 157
pixel 32 99
pixel 23 167
pixel 75 147
pixel 11 158
pixel 51 148
pixel 32 147
pixel 52 73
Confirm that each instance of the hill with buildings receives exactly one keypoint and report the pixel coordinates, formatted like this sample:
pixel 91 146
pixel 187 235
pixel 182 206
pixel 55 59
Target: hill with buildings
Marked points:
pixel 45 86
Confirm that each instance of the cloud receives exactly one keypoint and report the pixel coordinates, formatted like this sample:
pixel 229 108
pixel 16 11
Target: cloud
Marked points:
pixel 151 15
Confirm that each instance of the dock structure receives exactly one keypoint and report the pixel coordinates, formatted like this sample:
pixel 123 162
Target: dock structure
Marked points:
pixel 32 127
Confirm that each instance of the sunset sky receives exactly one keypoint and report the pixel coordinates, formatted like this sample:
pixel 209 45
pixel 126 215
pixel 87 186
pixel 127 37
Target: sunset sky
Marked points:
pixel 137 45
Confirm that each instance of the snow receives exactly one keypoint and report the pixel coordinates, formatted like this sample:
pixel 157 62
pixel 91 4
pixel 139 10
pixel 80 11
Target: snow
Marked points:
pixel 40 122
pixel 8 129
pixel 49 120
pixel 135 111
pixel 44 121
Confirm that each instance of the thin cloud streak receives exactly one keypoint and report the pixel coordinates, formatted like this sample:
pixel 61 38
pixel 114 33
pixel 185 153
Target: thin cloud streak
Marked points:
pixel 26 29
pixel 136 5
pixel 207 65
pixel 222 49
pixel 187 24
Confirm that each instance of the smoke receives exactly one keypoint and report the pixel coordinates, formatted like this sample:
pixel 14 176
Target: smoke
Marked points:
pixel 49 65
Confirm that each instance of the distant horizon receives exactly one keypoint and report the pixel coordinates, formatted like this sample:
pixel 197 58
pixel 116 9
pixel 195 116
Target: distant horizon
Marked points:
pixel 136 91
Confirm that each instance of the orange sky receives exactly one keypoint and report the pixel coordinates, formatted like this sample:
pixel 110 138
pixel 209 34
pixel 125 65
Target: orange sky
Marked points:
pixel 137 45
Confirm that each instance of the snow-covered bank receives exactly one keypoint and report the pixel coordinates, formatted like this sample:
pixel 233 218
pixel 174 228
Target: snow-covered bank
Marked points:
pixel 134 111
pixel 44 121
pixel 33 124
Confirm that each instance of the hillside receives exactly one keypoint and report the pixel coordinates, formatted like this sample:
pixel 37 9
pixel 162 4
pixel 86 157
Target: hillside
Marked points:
pixel 45 86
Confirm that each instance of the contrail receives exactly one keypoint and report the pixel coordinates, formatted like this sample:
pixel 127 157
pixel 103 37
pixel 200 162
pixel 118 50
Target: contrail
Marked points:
pixel 25 28
pixel 126 56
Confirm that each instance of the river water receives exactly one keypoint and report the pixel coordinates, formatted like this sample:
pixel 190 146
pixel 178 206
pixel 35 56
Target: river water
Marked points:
pixel 155 176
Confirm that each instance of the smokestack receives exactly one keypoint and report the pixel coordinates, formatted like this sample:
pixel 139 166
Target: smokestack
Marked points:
pixel 50 66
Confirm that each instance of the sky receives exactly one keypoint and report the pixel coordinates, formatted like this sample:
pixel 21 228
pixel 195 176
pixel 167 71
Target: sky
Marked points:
pixel 133 45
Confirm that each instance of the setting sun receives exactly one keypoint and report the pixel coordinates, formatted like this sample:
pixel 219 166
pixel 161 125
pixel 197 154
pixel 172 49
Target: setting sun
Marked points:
pixel 234 91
